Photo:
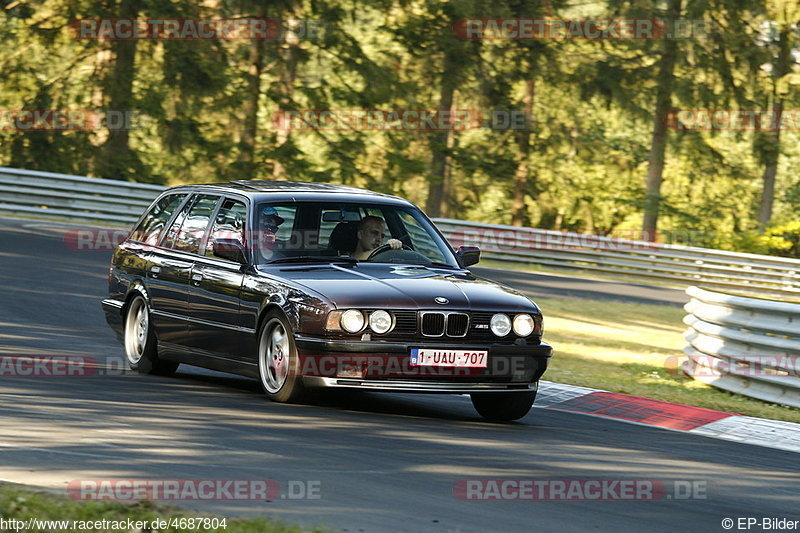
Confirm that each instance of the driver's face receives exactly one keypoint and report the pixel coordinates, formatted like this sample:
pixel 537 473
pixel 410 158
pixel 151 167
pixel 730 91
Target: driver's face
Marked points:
pixel 372 235
pixel 268 223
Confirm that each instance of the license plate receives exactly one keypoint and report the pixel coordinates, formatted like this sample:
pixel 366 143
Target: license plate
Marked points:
pixel 457 358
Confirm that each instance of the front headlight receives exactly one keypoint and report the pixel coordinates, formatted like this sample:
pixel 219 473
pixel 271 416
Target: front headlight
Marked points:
pixel 380 322
pixel 352 321
pixel 524 325
pixel 500 324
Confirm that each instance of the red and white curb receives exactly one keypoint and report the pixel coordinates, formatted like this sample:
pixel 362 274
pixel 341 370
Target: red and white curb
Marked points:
pixel 668 415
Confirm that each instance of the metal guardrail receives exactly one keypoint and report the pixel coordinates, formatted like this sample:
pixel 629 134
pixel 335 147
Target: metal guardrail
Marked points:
pixel 749 346
pixel 47 194
pixel 110 201
pixel 635 258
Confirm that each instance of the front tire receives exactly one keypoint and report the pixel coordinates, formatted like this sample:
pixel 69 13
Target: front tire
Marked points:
pixel 503 406
pixel 278 362
pixel 140 341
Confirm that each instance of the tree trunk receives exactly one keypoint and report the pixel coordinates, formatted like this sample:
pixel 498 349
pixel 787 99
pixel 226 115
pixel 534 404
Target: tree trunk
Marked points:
pixel 781 66
pixel 658 143
pixel 245 166
pixel 116 159
pixel 447 183
pixel 519 212
pixel 771 154
pixel 288 75
pixel 439 144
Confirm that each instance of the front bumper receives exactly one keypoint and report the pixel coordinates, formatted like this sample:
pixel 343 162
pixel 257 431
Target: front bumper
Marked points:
pixel 385 366
pixel 396 385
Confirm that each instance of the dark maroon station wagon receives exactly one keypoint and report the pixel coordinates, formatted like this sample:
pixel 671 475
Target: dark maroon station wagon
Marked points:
pixel 305 285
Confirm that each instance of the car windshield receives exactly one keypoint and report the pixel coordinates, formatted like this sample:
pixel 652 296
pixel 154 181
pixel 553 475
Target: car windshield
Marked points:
pixel 323 231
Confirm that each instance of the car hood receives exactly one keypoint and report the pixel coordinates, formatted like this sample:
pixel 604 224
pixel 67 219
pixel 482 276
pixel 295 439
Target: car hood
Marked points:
pixel 403 287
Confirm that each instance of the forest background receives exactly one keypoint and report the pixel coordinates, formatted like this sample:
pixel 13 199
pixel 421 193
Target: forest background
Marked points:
pixel 689 133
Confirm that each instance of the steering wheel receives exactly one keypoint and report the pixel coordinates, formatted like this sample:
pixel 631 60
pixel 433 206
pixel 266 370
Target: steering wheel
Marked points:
pixel 385 248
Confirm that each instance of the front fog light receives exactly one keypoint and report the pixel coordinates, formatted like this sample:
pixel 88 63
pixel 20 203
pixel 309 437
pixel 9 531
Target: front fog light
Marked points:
pixel 352 321
pixel 523 325
pixel 500 325
pixel 380 322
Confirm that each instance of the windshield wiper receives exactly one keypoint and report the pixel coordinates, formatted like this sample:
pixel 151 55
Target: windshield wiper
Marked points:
pixel 313 259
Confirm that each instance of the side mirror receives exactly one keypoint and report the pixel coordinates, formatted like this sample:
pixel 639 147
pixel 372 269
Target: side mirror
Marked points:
pixel 230 249
pixel 468 255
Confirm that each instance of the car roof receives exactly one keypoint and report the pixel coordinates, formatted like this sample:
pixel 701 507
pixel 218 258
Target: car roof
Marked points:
pixel 293 190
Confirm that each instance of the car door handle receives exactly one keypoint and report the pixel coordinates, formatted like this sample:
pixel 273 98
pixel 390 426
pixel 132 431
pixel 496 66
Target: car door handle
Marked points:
pixel 155 270
pixel 197 278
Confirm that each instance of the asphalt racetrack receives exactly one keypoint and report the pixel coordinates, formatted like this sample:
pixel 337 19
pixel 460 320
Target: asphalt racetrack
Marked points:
pixel 380 462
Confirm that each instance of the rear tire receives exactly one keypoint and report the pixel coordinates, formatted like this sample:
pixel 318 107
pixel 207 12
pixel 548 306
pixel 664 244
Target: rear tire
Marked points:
pixel 140 341
pixel 503 406
pixel 278 362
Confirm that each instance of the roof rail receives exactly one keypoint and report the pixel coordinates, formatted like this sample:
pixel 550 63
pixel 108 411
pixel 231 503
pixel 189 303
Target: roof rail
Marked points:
pixel 244 183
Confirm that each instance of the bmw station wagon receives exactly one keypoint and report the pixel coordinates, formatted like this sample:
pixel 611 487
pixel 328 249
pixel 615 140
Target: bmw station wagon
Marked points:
pixel 309 285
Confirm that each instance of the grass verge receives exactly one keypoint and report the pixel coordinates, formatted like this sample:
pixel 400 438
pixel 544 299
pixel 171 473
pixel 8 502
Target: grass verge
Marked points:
pixel 634 349
pixel 24 504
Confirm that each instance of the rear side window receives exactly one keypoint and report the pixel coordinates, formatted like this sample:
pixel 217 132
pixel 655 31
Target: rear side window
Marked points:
pixel 152 225
pixel 187 232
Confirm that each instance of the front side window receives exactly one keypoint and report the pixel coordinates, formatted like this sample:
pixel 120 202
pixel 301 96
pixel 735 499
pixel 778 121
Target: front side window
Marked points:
pixel 415 228
pixel 152 225
pixel 189 228
pixel 314 230
pixel 228 224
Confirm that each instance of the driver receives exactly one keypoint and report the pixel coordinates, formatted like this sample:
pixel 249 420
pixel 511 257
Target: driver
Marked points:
pixel 268 223
pixel 371 232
